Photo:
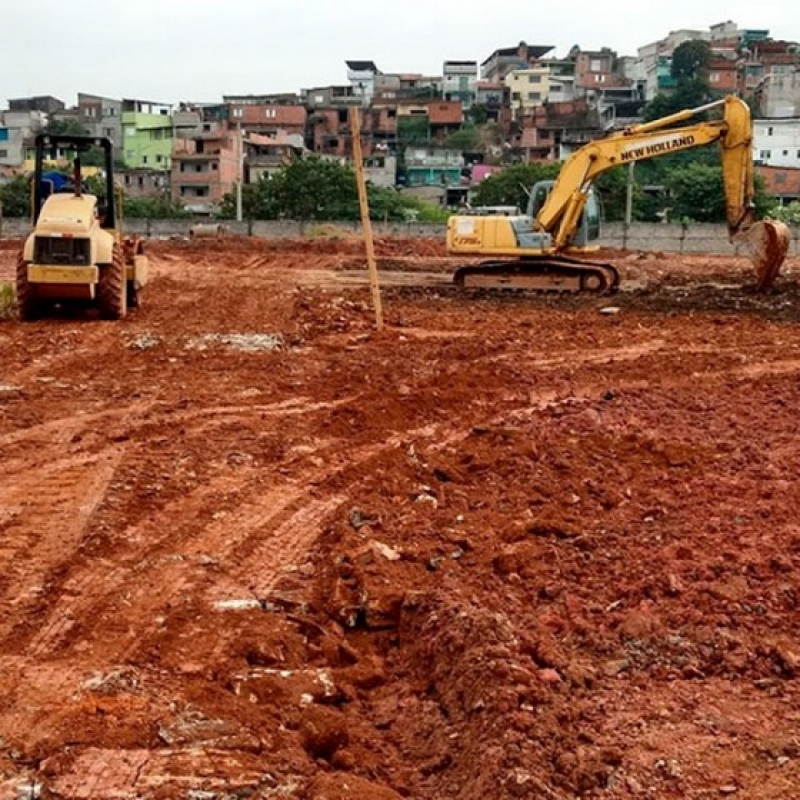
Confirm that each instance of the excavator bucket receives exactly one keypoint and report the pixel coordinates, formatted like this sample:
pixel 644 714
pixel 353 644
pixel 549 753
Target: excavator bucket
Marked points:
pixel 768 242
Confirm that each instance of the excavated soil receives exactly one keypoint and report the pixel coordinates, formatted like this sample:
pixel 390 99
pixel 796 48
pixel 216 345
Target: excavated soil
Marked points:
pixel 511 547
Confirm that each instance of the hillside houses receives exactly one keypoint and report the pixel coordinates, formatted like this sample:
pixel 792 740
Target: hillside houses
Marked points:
pixel 520 103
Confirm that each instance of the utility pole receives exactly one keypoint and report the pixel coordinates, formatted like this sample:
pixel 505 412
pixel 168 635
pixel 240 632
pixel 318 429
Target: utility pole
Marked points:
pixel 366 223
pixel 628 206
pixel 240 157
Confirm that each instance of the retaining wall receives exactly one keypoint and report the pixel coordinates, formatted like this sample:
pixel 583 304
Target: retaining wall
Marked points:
pixel 696 238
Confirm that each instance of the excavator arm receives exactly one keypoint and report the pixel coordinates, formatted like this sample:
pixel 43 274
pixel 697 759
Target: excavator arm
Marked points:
pixel 768 241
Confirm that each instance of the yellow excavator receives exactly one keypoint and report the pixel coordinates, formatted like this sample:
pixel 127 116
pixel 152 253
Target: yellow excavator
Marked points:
pixel 548 249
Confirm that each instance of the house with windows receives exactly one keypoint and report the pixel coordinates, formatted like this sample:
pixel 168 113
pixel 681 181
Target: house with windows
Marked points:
pixel 269 119
pixel 508 59
pixel 205 167
pixel 460 82
pixel 17 128
pixel 529 87
pixel 147 135
pixel 776 142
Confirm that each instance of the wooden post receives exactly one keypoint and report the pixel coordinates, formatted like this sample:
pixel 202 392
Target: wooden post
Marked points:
pixel 366 224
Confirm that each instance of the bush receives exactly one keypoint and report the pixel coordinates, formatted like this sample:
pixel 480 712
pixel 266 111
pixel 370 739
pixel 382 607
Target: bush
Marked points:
pixel 313 188
pixel 8 301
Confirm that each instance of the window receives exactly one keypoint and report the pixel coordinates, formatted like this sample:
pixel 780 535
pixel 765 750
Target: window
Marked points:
pixel 141 180
pixel 270 113
pixel 534 96
pixel 596 65
pixel 713 77
pixel 144 159
pixel 534 78
pixel 3 134
pixel 318 98
pixel 786 152
pixel 159 159
pixel 342 116
pixel 765 154
pixel 770 131
pixel 127 180
pixel 214 165
pixel 3 153
pixel 237 113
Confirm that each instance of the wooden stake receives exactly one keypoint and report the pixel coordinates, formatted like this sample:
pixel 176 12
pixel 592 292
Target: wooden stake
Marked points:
pixel 366 223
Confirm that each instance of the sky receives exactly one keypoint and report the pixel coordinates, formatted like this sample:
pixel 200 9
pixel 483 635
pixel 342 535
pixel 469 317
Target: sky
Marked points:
pixel 197 50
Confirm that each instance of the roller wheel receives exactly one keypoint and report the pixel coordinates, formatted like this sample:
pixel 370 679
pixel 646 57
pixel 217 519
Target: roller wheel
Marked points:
pixel 111 288
pixel 28 304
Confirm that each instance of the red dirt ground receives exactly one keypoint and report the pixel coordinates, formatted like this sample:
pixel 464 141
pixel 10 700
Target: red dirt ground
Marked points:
pixel 512 547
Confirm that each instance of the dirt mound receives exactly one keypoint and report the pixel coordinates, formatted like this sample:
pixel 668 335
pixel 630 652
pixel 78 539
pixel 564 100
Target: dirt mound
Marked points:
pixel 510 547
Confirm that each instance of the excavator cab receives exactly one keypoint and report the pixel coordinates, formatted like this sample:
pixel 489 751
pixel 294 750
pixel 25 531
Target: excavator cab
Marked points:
pixel 588 228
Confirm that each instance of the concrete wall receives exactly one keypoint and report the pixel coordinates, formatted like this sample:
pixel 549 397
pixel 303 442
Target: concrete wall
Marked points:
pixel 698 238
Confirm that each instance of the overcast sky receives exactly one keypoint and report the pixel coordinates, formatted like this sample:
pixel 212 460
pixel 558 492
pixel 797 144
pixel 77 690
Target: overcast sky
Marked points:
pixel 173 50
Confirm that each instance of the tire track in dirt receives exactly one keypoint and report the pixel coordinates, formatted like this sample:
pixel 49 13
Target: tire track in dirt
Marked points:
pixel 48 511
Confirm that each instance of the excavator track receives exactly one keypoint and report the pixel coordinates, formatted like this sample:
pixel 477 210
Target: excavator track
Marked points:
pixel 540 274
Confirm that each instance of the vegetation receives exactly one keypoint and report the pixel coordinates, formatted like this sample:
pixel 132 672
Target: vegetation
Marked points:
pixel 153 208
pixel 690 61
pixel 314 188
pixel 15 197
pixel 65 127
pixel 467 139
pixel 690 70
pixel 511 186
pixel 789 213
pixel 8 301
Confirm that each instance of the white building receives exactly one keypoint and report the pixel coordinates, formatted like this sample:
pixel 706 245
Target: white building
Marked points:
pixel 15 128
pixel 361 75
pixel 460 81
pixel 776 142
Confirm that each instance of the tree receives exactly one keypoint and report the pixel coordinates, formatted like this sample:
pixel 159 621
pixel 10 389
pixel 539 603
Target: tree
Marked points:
pixel 315 188
pixel 15 197
pixel 790 213
pixel 161 207
pixel 465 139
pixel 696 192
pixel 690 61
pixel 65 127
pixel 510 187
pixel 688 94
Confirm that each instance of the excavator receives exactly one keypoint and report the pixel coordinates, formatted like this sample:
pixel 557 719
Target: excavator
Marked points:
pixel 548 249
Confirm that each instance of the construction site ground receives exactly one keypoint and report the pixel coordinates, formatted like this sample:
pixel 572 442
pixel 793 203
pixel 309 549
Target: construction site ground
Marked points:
pixel 510 547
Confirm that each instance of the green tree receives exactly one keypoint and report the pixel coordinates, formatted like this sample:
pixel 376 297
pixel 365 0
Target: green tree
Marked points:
pixel 690 61
pixel 790 213
pixel 510 187
pixel 467 139
pixel 15 197
pixel 612 187
pixel 161 207
pixel 66 127
pixel 688 94
pixel 314 188
pixel 478 114
pixel 696 192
